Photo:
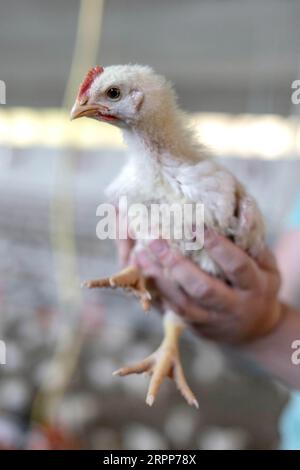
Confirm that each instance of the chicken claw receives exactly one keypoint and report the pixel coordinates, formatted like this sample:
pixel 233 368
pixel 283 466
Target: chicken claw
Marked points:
pixel 130 279
pixel 164 362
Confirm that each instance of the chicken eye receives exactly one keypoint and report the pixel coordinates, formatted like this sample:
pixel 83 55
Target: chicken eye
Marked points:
pixel 113 93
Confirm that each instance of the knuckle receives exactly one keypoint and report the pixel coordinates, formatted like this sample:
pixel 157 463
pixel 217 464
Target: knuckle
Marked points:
pixel 170 258
pixel 192 286
pixel 238 269
pixel 203 292
pixel 269 285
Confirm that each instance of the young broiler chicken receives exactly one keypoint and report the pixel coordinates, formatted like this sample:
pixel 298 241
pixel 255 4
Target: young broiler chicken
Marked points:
pixel 165 165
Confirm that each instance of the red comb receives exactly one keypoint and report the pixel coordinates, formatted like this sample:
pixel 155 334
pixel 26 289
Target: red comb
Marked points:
pixel 90 77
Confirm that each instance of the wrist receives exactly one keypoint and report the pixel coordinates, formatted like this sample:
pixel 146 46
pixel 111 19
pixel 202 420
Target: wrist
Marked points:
pixel 269 323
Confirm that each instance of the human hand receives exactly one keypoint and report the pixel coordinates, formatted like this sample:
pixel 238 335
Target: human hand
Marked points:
pixel 244 307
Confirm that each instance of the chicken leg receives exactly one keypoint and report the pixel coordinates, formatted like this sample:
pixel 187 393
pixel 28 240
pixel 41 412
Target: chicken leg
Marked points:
pixel 130 279
pixel 164 362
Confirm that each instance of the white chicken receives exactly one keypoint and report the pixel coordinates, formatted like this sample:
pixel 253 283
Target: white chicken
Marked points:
pixel 166 165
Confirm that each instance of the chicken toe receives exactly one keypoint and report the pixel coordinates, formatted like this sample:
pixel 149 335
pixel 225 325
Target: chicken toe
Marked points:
pixel 164 362
pixel 129 279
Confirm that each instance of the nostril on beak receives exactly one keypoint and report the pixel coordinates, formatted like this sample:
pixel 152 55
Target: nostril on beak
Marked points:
pixel 83 100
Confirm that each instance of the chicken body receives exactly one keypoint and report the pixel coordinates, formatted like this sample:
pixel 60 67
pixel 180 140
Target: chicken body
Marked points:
pixel 166 165
pixel 200 182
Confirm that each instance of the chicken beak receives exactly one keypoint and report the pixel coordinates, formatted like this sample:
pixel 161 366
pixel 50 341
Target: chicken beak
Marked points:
pixel 80 110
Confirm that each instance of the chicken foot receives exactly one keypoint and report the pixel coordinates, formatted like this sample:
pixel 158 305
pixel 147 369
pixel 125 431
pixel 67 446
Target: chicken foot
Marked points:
pixel 164 362
pixel 130 279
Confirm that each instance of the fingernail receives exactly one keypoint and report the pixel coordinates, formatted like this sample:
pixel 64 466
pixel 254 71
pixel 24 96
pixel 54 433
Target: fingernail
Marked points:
pixel 159 247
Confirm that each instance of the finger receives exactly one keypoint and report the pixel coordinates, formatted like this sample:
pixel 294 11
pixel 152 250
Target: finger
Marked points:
pixel 124 248
pixel 237 266
pixel 175 297
pixel 177 300
pixel 148 264
pixel 207 290
pixel 267 261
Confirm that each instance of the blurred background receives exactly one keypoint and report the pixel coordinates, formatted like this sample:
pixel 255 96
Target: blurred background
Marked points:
pixel 233 63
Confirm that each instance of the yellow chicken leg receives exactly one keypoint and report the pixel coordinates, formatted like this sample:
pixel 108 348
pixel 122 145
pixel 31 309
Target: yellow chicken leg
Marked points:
pixel 164 362
pixel 130 279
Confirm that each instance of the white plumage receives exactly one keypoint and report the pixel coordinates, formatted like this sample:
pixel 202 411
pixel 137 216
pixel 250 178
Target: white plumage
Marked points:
pixel 167 165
